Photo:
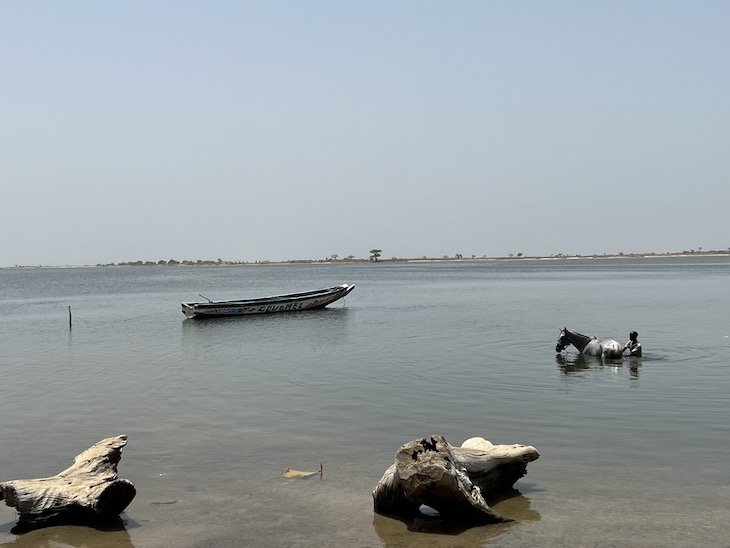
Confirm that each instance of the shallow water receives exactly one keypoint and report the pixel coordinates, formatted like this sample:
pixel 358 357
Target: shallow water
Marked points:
pixel 633 452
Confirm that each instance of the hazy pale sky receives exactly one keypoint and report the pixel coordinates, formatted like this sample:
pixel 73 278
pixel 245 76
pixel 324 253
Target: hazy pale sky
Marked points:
pixel 301 129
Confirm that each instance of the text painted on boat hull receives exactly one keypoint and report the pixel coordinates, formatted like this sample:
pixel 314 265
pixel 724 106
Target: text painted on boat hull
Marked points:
pixel 256 309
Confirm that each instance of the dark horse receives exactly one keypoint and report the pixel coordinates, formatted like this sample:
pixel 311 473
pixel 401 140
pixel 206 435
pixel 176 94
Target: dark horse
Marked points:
pixel 590 346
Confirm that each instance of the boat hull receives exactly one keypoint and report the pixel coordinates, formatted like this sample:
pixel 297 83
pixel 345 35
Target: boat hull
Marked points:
pixel 293 302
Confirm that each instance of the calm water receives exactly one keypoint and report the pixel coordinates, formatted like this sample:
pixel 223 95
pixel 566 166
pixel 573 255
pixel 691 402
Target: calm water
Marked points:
pixel 632 453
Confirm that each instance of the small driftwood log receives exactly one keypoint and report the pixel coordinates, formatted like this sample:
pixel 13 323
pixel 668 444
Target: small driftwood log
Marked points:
pixel 451 480
pixel 86 492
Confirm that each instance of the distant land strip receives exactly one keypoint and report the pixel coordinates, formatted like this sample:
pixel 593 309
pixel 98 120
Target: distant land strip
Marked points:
pixel 424 259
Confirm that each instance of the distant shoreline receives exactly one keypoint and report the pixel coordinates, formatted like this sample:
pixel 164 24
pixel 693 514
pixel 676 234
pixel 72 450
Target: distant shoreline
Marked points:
pixel 423 260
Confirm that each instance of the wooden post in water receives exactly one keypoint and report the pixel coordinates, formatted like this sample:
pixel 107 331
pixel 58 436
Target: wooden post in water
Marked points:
pixel 69 317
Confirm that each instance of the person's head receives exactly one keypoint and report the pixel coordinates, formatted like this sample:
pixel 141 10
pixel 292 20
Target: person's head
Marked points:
pixel 633 336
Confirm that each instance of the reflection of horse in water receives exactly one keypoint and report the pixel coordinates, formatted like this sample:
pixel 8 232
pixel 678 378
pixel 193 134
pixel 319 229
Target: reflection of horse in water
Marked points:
pixel 576 362
pixel 579 363
pixel 590 346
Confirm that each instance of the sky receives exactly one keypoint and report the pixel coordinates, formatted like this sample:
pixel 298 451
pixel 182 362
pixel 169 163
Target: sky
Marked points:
pixel 279 130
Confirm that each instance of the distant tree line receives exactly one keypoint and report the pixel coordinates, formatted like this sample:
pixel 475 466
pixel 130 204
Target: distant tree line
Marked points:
pixel 172 262
pixel 375 255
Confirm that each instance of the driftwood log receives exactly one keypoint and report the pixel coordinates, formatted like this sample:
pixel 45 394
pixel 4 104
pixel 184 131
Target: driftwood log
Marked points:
pixel 87 492
pixel 451 480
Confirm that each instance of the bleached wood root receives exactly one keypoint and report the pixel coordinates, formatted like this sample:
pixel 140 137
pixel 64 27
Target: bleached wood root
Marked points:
pixel 451 480
pixel 87 491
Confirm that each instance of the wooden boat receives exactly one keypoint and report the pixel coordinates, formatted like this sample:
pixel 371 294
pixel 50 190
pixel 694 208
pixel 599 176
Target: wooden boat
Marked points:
pixel 292 302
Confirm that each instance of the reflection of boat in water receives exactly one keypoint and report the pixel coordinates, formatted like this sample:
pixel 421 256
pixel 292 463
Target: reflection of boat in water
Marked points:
pixel 291 302
pixel 327 327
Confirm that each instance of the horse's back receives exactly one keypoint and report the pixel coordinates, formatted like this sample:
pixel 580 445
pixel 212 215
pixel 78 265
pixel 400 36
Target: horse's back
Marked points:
pixel 608 348
pixel 593 348
pixel 612 349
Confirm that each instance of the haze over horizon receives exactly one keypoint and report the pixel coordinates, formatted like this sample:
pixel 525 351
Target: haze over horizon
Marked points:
pixel 297 130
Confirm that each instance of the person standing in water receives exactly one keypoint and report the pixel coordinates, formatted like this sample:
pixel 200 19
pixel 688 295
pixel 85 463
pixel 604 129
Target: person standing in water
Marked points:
pixel 633 345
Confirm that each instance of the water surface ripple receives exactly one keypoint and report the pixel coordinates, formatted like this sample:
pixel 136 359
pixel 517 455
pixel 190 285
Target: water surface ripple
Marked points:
pixel 215 410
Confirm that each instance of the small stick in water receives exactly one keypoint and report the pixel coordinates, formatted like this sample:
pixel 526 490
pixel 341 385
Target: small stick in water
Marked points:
pixel 69 317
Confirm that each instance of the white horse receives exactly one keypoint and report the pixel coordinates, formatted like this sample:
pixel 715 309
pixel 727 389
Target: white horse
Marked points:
pixel 590 346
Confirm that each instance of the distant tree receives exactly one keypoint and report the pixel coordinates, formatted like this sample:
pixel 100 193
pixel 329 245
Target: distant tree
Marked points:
pixel 374 254
pixel 334 256
pixel 519 254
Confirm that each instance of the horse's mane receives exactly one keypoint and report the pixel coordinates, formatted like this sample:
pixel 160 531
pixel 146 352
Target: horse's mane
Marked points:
pixel 577 334
pixel 575 337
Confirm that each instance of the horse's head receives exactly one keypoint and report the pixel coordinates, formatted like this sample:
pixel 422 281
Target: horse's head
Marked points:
pixel 563 341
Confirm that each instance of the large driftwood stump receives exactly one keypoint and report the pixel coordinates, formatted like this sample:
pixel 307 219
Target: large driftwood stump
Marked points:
pixel 451 480
pixel 88 491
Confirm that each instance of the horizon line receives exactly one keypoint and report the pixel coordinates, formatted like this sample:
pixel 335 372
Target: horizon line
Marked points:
pixel 335 259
